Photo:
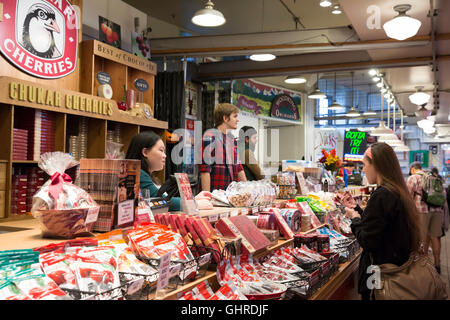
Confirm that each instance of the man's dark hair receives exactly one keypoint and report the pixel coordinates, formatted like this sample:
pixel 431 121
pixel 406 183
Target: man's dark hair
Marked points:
pixel 246 131
pixel 435 171
pixel 415 165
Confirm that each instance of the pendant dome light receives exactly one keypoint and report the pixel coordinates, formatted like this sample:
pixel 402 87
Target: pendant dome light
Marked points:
pixel 369 111
pixel 404 147
pixel 353 113
pixel 295 80
pixel 419 97
pixel 335 105
pixel 381 130
pixel 317 94
pixel 208 17
pixel 391 139
pixel 325 3
pixel 402 26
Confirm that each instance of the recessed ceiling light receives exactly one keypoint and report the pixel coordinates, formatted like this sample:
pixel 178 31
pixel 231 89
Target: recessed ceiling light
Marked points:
pixel 262 57
pixel 208 17
pixel 336 9
pixel 325 3
pixel 403 26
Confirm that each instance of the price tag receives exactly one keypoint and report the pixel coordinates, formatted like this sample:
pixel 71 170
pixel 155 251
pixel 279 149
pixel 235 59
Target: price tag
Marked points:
pixel 255 210
pixel 244 211
pixel 213 217
pixel 125 212
pixel 164 264
pixel 234 213
pixel 135 285
pixel 92 215
pixel 175 270
pixel 224 215
pixel 204 259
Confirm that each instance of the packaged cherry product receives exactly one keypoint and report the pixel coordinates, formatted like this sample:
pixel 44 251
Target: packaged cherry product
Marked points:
pixel 62 208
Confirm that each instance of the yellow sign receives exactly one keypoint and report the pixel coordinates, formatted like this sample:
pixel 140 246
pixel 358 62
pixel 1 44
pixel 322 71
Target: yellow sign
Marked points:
pixel 54 98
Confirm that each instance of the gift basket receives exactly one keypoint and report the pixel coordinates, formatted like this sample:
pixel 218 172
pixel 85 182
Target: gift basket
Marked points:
pixel 251 193
pixel 62 209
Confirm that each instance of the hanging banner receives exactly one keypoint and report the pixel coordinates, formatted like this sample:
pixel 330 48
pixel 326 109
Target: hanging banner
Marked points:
pixel 257 98
pixel 284 107
pixel 40 37
pixel 324 139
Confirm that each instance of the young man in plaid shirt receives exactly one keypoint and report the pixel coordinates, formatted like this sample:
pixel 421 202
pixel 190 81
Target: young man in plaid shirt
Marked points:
pixel 431 217
pixel 220 162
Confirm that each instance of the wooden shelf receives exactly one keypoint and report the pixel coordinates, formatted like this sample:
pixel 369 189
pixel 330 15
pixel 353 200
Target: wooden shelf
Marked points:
pixel 24 162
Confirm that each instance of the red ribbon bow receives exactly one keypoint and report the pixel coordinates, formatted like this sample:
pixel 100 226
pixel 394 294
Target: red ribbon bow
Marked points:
pixel 56 186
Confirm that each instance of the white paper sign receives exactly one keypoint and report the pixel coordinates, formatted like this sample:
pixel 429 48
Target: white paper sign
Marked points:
pixel 125 212
pixel 135 285
pixel 213 217
pixel 147 212
pixel 164 264
pixel 234 213
pixel 224 215
pixel 92 214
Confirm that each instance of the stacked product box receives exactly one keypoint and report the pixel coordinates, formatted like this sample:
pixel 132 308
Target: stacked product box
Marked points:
pixel 2 188
pixel 114 185
pixel 35 180
pixel 20 144
pixel 41 126
pixel 19 194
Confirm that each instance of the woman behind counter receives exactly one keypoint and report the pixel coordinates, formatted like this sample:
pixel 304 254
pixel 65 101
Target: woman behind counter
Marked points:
pixel 149 148
pixel 388 228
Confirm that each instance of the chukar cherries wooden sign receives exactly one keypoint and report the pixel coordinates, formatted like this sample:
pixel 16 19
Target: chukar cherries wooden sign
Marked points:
pixel 40 36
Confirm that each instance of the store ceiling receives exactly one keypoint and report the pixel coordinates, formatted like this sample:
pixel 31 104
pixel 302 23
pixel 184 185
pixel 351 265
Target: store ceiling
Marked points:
pixel 406 64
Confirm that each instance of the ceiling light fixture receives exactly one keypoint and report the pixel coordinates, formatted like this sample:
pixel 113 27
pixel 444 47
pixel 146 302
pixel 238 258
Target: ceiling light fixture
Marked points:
pixel 336 9
pixel 295 80
pixel 402 26
pixel 429 130
pixel 373 72
pixel 382 130
pixel 376 78
pixel 335 105
pixel 208 17
pixel 325 3
pixel 425 123
pixel 419 97
pixel 423 112
pixel 262 57
pixel 353 113
pixel 317 94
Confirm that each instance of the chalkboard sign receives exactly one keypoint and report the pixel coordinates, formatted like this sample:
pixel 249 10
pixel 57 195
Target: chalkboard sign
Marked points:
pixel 141 85
pixel 284 107
pixel 103 77
pixel 355 144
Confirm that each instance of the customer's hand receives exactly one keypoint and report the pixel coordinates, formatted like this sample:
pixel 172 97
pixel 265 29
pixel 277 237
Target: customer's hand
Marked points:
pixel 204 204
pixel 348 201
pixel 351 214
pixel 204 195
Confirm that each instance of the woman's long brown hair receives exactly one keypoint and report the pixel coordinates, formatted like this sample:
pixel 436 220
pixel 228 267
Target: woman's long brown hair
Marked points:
pixel 387 166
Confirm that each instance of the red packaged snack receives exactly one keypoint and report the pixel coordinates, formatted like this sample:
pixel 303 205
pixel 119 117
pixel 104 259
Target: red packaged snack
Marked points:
pixel 282 224
pixel 57 267
pixel 40 287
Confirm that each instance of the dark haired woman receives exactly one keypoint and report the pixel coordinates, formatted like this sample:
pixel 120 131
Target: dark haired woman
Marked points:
pixel 388 228
pixel 148 147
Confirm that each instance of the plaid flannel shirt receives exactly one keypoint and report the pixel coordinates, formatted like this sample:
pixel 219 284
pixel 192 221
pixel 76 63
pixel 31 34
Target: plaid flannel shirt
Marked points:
pixel 220 158
pixel 414 184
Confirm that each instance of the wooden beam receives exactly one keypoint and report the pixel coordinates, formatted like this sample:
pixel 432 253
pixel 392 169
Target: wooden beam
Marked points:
pixel 184 51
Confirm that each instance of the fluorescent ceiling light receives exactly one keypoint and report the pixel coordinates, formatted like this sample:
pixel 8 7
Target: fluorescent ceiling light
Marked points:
pixel 325 3
pixel 403 26
pixel 419 98
pixel 382 130
pixel 262 57
pixel 208 17
pixel 295 80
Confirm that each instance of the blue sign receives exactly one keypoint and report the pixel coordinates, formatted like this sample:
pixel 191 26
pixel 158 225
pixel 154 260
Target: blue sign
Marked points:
pixel 103 78
pixel 141 85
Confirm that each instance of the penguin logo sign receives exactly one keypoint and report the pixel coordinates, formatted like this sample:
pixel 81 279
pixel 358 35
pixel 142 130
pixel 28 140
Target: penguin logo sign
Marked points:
pixel 39 37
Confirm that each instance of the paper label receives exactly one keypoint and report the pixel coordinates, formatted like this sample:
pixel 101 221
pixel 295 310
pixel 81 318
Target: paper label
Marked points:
pixel 164 264
pixel 234 213
pixel 244 211
pixel 254 210
pixel 125 212
pixel 213 217
pixel 224 215
pixel 147 213
pixel 135 286
pixel 175 270
pixel 92 215
pixel 206 258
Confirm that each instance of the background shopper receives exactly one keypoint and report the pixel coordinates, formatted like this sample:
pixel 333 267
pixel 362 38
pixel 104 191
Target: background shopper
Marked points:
pixel 248 137
pixel 388 228
pixel 149 148
pixel 430 216
pixel 220 162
